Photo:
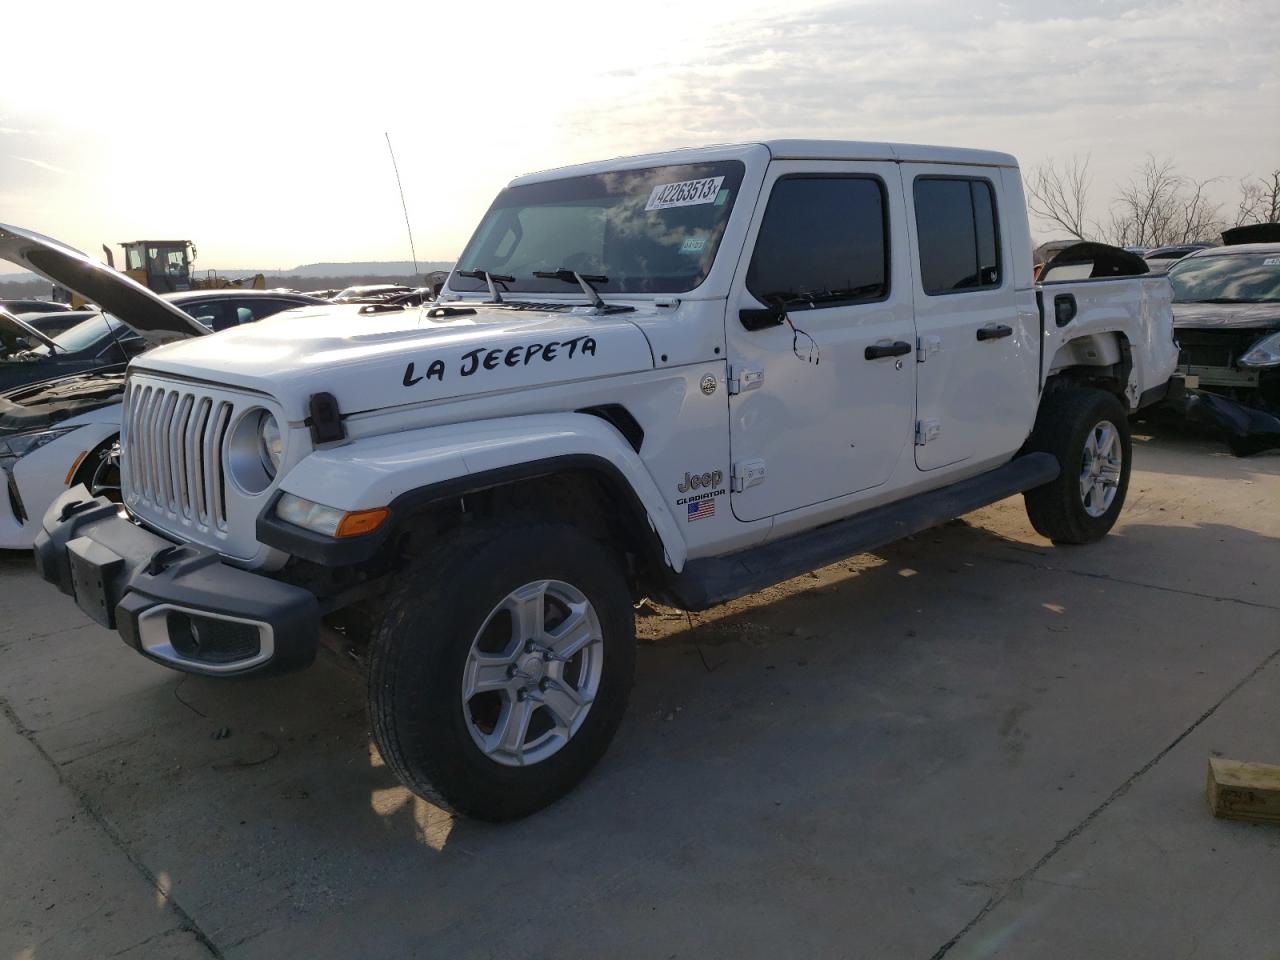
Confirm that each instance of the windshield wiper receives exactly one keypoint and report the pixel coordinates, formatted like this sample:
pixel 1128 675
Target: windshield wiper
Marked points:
pixel 585 281
pixel 492 279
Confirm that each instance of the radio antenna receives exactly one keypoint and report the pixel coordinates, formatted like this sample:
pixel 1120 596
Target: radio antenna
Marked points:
pixel 400 187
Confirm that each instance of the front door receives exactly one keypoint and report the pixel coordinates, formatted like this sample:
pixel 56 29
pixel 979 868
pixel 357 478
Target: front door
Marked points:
pixel 978 375
pixel 820 338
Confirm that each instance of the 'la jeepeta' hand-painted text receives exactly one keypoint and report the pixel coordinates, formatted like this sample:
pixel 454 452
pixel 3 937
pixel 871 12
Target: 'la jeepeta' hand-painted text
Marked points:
pixel 482 358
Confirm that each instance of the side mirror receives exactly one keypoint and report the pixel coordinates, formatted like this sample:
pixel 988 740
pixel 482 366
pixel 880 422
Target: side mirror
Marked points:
pixel 755 318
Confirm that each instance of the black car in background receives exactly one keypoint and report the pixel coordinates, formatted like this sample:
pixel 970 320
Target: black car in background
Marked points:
pixel 33 306
pixel 28 355
pixel 1161 259
pixel 57 321
pixel 1226 318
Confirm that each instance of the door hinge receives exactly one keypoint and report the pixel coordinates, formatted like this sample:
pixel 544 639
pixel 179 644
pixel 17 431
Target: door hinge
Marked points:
pixel 745 474
pixel 927 347
pixel 927 430
pixel 741 381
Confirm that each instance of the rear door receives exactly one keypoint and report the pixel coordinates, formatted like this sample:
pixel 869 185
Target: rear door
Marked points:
pixel 977 378
pixel 823 401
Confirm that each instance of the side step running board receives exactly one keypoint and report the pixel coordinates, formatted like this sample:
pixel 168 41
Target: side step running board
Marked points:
pixel 705 583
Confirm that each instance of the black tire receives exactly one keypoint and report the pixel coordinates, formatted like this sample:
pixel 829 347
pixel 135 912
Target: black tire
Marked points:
pixel 1063 424
pixel 420 647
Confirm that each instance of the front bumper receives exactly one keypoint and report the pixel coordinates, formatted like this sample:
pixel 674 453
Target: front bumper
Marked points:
pixel 178 604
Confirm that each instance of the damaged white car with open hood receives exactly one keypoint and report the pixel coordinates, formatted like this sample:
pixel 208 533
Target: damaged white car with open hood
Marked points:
pixel 684 376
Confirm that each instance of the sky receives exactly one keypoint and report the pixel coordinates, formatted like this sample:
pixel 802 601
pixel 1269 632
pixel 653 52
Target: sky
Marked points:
pixel 257 130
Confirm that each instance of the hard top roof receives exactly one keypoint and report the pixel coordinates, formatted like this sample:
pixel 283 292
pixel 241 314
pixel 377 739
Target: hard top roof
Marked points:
pixel 791 150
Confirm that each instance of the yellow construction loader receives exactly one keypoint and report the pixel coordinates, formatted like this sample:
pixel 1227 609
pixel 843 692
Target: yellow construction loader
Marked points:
pixel 165 266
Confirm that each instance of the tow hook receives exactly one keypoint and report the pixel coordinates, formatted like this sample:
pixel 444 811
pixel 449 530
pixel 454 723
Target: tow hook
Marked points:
pixel 77 506
pixel 162 559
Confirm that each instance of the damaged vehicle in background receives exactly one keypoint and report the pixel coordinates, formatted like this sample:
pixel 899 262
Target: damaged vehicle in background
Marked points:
pixel 56 322
pixel 1161 259
pixel 34 306
pixel 370 293
pixel 101 341
pixel 1226 308
pixel 28 355
pixel 59 432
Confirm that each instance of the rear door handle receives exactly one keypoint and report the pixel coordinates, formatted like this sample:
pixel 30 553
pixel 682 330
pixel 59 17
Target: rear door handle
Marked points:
pixel 878 351
pixel 996 331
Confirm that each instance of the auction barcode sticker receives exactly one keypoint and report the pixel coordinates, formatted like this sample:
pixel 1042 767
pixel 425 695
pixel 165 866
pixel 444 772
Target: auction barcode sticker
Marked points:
pixel 686 193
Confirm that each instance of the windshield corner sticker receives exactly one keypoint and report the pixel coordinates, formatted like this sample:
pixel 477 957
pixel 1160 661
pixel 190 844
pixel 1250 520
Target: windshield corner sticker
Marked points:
pixel 686 193
pixel 520 355
pixel 1271 262
pixel 693 245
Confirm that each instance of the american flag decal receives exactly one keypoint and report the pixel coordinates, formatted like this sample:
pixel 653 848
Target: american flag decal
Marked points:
pixel 703 508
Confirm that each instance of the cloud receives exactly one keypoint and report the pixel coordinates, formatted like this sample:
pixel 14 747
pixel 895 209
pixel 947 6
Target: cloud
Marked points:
pixel 42 164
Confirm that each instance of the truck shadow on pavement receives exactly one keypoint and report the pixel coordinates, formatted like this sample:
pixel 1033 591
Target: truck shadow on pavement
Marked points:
pixel 808 733
pixel 856 639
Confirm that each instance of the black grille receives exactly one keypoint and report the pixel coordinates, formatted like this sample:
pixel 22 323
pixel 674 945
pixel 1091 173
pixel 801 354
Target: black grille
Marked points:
pixel 212 641
pixel 1217 348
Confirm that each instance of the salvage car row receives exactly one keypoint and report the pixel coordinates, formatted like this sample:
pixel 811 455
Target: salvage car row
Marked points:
pixel 60 405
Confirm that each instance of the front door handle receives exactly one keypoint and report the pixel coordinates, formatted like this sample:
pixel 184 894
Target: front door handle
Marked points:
pixel 878 351
pixel 995 331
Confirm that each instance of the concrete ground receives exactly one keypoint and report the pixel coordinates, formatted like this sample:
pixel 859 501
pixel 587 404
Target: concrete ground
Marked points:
pixel 969 744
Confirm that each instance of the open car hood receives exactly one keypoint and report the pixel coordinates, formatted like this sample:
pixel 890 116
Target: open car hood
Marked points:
pixel 12 329
pixel 155 320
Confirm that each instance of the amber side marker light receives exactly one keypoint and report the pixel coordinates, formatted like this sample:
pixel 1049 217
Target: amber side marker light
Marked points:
pixel 74 467
pixel 360 522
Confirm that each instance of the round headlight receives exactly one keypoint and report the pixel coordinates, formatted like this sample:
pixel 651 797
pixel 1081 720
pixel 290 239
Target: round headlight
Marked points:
pixel 255 451
pixel 270 443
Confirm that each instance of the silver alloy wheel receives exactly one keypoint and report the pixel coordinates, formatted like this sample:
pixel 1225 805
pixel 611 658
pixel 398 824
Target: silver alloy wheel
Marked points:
pixel 532 672
pixel 1100 469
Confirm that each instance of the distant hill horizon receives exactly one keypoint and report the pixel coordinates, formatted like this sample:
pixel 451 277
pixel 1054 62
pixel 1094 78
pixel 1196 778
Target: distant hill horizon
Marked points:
pixel 304 277
pixel 334 268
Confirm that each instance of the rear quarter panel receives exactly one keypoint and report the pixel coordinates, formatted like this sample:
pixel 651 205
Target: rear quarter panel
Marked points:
pixel 1137 308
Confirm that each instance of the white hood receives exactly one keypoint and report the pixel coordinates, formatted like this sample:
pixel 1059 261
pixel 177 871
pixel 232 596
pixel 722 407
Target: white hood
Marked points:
pixel 375 361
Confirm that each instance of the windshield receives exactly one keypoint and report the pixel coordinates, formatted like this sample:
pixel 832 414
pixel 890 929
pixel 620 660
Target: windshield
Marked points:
pixel 1229 278
pixel 654 230
pixel 82 336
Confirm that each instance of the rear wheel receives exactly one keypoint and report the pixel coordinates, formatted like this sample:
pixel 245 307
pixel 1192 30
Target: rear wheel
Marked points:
pixel 1088 431
pixel 501 668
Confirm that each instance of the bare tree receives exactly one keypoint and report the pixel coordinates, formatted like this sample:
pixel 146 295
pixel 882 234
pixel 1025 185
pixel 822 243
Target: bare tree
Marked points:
pixel 1198 218
pixel 1160 206
pixel 1061 196
pixel 1259 200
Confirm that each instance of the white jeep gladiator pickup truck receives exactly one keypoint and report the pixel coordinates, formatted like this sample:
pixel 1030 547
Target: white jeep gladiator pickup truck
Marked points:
pixel 684 376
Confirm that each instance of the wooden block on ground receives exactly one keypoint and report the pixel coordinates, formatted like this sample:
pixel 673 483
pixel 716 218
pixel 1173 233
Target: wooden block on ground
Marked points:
pixel 1244 791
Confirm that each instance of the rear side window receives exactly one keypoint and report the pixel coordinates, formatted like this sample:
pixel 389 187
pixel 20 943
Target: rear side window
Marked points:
pixel 824 240
pixel 958 235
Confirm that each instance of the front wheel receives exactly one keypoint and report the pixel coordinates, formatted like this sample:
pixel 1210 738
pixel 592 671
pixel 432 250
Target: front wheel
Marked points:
pixel 501 667
pixel 1088 431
